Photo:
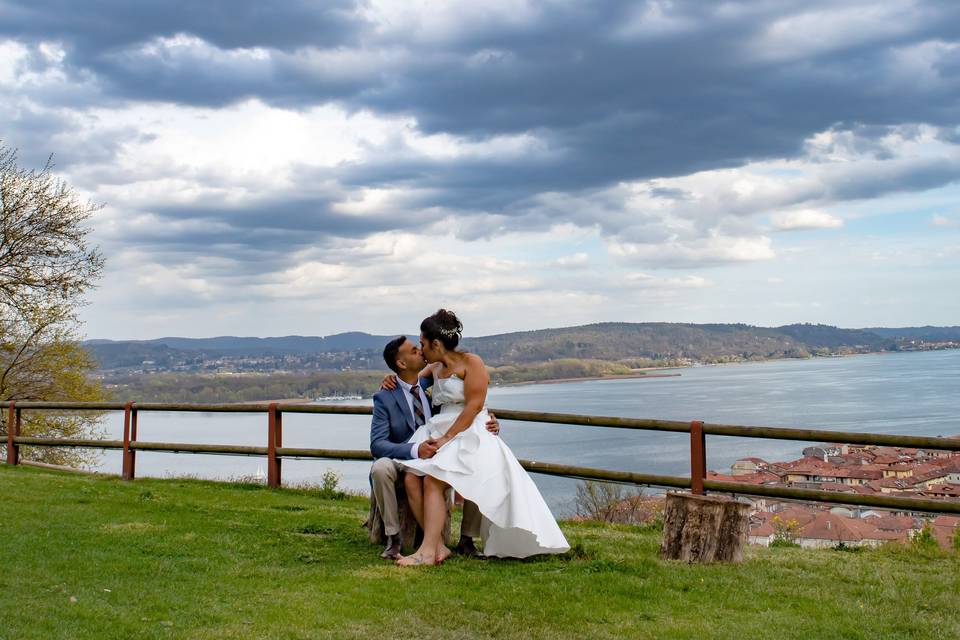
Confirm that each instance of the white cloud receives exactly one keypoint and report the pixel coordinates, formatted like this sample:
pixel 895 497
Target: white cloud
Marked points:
pixel 819 31
pixel 709 251
pixel 26 69
pixel 438 21
pixel 654 18
pixel 647 281
pixel 802 219
pixel 576 261
pixel 939 220
pixel 172 282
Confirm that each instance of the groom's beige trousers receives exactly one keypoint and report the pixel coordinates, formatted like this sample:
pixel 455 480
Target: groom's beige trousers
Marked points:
pixel 387 475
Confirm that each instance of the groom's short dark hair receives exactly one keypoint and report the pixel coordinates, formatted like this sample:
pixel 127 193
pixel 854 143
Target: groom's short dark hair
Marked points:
pixel 391 350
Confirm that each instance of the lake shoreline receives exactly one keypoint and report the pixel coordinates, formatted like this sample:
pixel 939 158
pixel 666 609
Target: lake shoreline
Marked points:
pixel 892 394
pixel 622 376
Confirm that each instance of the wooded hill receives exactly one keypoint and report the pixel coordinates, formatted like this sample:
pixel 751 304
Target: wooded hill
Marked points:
pixel 672 342
pixel 636 344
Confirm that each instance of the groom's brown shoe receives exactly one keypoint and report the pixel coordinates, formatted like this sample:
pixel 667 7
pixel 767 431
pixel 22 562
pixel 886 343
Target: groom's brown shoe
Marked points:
pixel 466 547
pixel 392 552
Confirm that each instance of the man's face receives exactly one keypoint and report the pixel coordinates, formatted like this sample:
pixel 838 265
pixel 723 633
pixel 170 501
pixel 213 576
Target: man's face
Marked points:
pixel 410 357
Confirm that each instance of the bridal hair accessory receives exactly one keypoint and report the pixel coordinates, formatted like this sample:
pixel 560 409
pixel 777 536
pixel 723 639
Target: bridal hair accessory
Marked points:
pixel 449 333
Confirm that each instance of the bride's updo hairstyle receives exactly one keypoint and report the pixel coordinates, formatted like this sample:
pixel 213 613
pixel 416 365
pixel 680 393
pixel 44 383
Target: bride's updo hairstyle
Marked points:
pixel 443 326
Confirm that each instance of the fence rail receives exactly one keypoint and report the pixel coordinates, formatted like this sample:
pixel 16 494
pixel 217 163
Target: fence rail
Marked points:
pixel 698 483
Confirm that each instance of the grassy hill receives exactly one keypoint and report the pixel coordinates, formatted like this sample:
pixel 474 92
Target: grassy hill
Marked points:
pixel 93 557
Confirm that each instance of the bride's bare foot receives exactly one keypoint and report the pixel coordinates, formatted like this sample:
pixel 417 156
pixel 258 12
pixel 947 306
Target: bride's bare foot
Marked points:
pixel 443 553
pixel 415 560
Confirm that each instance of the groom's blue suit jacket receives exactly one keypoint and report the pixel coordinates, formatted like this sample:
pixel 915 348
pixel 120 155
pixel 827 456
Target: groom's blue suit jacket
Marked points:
pixel 392 423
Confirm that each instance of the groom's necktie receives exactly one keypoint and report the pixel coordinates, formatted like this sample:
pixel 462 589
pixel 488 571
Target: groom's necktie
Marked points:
pixel 418 417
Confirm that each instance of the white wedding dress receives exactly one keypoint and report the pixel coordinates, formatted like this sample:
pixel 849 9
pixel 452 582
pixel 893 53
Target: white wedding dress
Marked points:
pixel 516 521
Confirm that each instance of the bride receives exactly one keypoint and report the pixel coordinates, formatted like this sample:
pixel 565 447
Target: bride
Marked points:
pixel 516 521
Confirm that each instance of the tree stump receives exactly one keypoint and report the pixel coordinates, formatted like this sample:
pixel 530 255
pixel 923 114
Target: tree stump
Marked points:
pixel 704 528
pixel 409 529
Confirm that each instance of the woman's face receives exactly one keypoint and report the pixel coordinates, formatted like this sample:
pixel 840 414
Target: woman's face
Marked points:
pixel 431 349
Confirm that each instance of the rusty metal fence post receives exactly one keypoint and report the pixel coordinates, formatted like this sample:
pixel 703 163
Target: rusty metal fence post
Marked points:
pixel 698 457
pixel 274 440
pixel 13 430
pixel 129 436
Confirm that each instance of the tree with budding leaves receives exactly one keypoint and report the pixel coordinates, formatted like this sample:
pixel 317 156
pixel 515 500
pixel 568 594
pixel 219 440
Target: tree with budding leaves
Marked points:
pixel 46 268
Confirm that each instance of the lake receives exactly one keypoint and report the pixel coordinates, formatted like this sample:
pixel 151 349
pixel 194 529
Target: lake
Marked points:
pixel 904 393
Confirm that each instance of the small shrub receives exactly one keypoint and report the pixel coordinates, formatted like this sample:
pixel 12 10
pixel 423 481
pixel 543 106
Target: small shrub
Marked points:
pixel 785 532
pixel 955 540
pixel 616 504
pixel 330 486
pixel 924 540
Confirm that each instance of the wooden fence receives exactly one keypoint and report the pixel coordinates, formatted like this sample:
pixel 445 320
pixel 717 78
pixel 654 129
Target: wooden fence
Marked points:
pixel 275 452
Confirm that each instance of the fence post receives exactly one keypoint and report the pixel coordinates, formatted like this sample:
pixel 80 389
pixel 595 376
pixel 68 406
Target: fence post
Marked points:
pixel 13 430
pixel 129 435
pixel 698 457
pixel 133 438
pixel 274 440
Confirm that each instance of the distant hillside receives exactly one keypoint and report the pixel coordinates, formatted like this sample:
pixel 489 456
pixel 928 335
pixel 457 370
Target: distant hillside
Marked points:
pixel 635 344
pixel 671 341
pixel 165 353
pixel 821 336
pixel 350 341
pixel 925 334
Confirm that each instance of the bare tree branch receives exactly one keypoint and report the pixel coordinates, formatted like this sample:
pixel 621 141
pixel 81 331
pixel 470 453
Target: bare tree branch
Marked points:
pixel 46 267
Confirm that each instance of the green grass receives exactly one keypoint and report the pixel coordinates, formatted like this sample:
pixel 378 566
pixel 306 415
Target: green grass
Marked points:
pixel 94 557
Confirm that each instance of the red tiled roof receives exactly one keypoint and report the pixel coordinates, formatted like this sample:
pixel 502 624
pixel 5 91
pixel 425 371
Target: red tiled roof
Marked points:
pixel 944 528
pixel 891 483
pixel 946 490
pixel 836 486
pixel 892 523
pixel 865 489
pixel 756 477
pixel 929 474
pixel 829 526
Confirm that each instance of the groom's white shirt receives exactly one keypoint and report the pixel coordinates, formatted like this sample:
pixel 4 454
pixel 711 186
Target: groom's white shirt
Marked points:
pixel 424 401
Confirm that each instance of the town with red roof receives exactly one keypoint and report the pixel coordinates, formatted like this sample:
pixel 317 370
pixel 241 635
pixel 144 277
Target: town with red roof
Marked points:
pixel 856 469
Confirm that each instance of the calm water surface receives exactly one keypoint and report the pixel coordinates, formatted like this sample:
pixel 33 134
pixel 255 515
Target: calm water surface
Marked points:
pixel 905 393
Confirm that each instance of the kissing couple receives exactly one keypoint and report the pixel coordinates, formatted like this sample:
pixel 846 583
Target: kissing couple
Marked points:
pixel 456 448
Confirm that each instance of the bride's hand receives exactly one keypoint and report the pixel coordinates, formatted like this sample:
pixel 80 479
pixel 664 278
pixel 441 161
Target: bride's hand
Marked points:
pixel 389 382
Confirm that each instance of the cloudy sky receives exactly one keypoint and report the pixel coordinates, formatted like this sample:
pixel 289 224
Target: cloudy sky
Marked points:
pixel 311 167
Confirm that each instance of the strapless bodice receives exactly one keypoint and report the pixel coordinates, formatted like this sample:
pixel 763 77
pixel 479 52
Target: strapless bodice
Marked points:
pixel 448 391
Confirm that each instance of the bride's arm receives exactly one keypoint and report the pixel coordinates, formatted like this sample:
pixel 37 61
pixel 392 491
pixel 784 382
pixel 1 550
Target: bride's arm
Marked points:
pixel 390 380
pixel 475 383
pixel 429 371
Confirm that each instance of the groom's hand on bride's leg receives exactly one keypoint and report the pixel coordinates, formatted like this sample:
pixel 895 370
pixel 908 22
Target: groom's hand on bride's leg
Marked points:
pixel 493 425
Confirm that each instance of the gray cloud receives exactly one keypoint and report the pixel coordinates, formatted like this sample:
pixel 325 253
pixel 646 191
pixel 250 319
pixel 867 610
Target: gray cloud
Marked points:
pixel 96 27
pixel 611 94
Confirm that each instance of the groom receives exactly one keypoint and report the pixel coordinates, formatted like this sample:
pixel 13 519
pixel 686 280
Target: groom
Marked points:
pixel 397 413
